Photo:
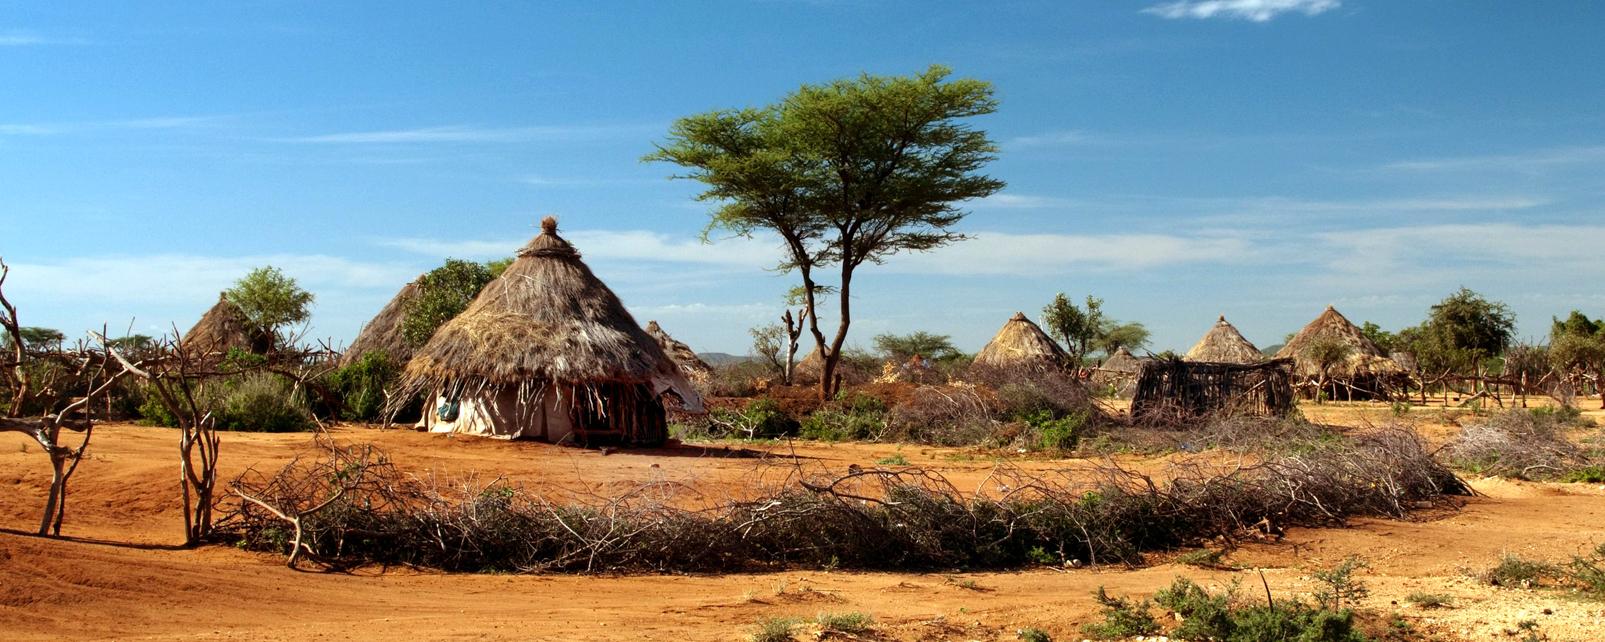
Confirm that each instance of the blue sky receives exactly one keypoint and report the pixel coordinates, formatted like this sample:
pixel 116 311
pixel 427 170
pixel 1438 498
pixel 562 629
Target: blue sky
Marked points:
pixel 1254 158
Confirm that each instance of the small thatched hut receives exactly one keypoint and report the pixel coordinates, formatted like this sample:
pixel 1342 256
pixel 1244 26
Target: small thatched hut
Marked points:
pixel 1366 373
pixel 811 367
pixel 1224 344
pixel 383 332
pixel 547 351
pixel 1119 372
pixel 1021 343
pixel 223 328
pixel 681 354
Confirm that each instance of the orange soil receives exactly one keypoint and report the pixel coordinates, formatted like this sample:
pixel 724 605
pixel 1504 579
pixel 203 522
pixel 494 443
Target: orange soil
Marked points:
pixel 117 576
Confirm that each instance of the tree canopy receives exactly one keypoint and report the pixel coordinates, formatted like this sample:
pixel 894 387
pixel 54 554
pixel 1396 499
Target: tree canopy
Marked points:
pixel 902 347
pixel 270 301
pixel 443 293
pixel 1076 326
pixel 845 173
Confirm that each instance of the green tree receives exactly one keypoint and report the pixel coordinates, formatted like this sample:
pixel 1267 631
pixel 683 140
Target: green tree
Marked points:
pixel 769 345
pixel 845 173
pixel 270 301
pixel 443 293
pixel 1577 345
pixel 1326 352
pixel 1468 329
pixel 1114 336
pixel 498 266
pixel 1384 339
pixel 902 347
pixel 1076 327
pixel 36 339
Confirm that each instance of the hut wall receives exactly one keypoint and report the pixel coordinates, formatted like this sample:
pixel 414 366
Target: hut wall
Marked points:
pixel 1187 389
pixel 615 413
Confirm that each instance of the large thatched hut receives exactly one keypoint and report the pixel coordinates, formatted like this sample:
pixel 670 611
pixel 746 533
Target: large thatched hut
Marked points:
pixel 1021 343
pixel 681 354
pixel 1365 373
pixel 383 334
pixel 547 351
pixel 224 327
pixel 1224 344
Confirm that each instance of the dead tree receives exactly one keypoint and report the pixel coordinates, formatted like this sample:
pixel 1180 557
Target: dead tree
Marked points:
pixel 794 330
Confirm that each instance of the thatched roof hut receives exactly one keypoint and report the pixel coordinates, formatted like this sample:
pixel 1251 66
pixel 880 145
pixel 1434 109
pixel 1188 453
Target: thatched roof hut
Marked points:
pixel 1119 372
pixel 1365 373
pixel 223 328
pixel 1022 343
pixel 1122 361
pixel 811 367
pixel 1224 344
pixel 383 332
pixel 548 351
pixel 681 354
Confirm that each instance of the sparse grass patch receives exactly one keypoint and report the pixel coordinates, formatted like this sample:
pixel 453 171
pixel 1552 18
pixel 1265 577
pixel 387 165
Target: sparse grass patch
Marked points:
pixel 1122 618
pixel 851 623
pixel 1031 634
pixel 1204 558
pixel 1430 600
pixel 896 459
pixel 1516 572
pixel 775 629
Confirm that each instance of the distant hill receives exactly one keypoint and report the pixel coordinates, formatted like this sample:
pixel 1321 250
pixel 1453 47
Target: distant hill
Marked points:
pixel 723 358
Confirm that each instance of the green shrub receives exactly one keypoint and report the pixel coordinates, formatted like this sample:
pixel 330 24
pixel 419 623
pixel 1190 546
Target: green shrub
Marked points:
pixel 1031 634
pixel 1057 433
pixel 1594 474
pixel 853 623
pixel 853 417
pixel 361 386
pixel 775 629
pixel 1515 572
pixel 261 402
pixel 1122 618
pixel 896 459
pixel 1340 589
pixel 152 412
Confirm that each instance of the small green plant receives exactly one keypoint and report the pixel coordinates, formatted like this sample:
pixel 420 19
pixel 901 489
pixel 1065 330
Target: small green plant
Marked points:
pixel 1529 631
pixel 1400 408
pixel 853 623
pixel 1589 572
pixel 1039 555
pixel 774 629
pixel 968 585
pixel 1056 432
pixel 1340 589
pixel 1430 600
pixel 1515 572
pixel 852 417
pixel 1594 474
pixel 896 459
pixel 1031 634
pixel 1122 618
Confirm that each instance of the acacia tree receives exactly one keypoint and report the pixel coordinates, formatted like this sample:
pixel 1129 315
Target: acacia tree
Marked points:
pixel 1076 326
pixel 845 173
pixel 1577 345
pixel 902 347
pixel 1326 352
pixel 270 301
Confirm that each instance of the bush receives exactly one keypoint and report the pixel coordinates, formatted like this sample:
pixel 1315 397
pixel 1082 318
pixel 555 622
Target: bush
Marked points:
pixel 1515 572
pixel 153 412
pixel 261 402
pixel 853 623
pixel 855 417
pixel 956 415
pixel 361 386
pixel 1430 600
pixel 1122 618
pixel 1218 616
pixel 871 519
pixel 1031 634
pixel 761 418
pixel 775 629
pixel 1057 433
pixel 1518 443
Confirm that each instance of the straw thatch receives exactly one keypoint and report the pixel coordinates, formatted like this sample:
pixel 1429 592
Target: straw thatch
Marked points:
pixel 223 328
pixel 547 323
pixel 383 333
pixel 808 370
pixel 1022 343
pixel 681 354
pixel 1174 390
pixel 1365 358
pixel 1118 373
pixel 1224 344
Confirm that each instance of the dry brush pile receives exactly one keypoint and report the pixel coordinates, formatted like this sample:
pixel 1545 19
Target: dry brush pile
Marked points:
pixel 351 506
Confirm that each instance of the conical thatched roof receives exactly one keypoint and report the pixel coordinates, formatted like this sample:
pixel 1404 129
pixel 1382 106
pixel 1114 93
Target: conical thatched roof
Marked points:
pixel 1021 342
pixel 681 354
pixel 383 332
pixel 1122 361
pixel 546 320
pixel 1364 355
pixel 1224 344
pixel 223 328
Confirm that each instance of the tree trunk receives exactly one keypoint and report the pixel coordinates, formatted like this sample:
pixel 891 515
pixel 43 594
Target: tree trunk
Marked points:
pixel 829 383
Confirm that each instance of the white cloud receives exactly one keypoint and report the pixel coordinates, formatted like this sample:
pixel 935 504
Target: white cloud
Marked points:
pixel 468 134
pixel 614 245
pixel 186 279
pixel 29 39
pixel 1019 201
pixel 1052 139
pixel 158 122
pixel 999 253
pixel 1251 10
pixel 1523 162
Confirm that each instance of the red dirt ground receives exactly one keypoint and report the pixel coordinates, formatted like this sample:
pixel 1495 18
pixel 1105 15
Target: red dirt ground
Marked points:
pixel 117 575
